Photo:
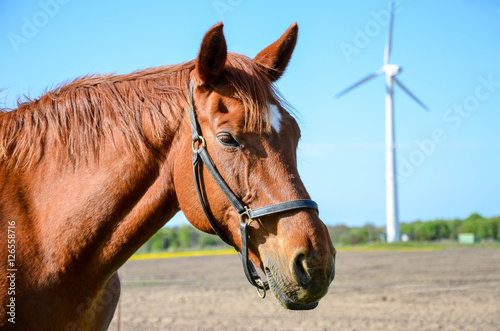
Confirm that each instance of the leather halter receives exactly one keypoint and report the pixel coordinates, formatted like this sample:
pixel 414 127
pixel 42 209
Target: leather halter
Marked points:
pixel 247 215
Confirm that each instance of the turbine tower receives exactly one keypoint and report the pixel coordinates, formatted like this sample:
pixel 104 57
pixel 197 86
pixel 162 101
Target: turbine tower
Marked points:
pixel 390 71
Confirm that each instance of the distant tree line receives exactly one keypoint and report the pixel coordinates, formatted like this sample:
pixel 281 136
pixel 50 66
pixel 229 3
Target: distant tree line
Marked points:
pixel 186 237
pixel 483 228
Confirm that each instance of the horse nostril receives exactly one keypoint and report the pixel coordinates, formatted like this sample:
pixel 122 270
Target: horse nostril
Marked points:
pixel 300 270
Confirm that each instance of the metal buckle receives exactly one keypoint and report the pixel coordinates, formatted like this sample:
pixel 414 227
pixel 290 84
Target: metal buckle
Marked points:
pixel 201 141
pixel 247 213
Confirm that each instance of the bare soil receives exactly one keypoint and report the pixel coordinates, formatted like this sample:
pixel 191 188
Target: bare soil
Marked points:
pixel 451 289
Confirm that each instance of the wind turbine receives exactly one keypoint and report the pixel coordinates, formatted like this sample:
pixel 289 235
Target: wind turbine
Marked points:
pixel 390 71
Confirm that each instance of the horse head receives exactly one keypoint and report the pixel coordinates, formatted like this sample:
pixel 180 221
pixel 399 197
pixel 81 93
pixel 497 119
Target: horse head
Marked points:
pixel 252 140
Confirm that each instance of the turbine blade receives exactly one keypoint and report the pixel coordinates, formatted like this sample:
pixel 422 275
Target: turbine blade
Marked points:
pixel 388 44
pixel 364 80
pixel 410 94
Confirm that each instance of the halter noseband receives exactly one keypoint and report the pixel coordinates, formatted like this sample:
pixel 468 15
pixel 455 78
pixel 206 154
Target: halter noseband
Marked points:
pixel 247 215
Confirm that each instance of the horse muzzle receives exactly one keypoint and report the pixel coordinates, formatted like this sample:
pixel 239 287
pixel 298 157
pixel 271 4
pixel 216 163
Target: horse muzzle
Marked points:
pixel 301 284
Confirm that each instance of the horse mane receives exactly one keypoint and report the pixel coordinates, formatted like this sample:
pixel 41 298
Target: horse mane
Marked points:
pixel 74 119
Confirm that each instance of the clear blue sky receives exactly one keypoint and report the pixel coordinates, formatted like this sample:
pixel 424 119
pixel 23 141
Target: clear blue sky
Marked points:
pixel 450 52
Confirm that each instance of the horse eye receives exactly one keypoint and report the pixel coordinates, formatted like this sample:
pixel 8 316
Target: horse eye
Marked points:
pixel 227 140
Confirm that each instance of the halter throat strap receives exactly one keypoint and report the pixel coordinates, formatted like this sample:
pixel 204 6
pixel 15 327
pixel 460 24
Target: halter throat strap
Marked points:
pixel 247 215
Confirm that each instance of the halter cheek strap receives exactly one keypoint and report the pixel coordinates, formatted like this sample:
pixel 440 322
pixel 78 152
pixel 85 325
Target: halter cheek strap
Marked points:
pixel 247 215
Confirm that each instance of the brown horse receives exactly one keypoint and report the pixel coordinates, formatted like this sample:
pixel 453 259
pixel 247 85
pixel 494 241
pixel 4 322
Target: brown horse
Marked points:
pixel 91 170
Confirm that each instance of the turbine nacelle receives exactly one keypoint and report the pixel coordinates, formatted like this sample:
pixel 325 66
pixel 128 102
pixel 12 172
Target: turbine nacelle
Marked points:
pixel 391 70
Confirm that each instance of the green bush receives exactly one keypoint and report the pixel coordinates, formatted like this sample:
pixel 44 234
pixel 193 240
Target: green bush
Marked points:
pixel 207 240
pixel 358 236
pixel 497 222
pixel 339 234
pixel 454 225
pixel 408 228
pixel 495 227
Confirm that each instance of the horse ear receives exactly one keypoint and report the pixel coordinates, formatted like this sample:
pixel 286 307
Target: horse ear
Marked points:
pixel 276 56
pixel 212 56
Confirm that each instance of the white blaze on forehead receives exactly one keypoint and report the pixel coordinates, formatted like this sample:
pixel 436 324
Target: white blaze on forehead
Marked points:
pixel 275 115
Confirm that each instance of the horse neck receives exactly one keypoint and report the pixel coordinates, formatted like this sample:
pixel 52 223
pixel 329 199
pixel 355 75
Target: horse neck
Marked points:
pixel 94 215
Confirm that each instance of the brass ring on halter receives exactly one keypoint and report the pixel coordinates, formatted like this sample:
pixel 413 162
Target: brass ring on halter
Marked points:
pixel 201 141
pixel 247 214
pixel 262 288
